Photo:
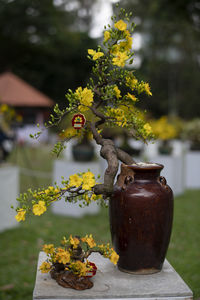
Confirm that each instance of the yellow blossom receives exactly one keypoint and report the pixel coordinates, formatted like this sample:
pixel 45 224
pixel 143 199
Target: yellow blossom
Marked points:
pixel 79 268
pixel 131 82
pixel 126 45
pixel 119 115
pixel 49 190
pixel 95 55
pixel 88 181
pixel 147 128
pixel 89 240
pixel 62 256
pixel 85 97
pixel 132 97
pixel 120 59
pixel 117 92
pixel 75 180
pixel 94 197
pixel 127 34
pixel 74 241
pixel 147 89
pixel 115 49
pixel 163 129
pixel 114 257
pixel 4 108
pixel 20 215
pixel 45 267
pixel 69 133
pixel 48 249
pixel 106 35
pixel 91 52
pixel 120 25
pixel 40 208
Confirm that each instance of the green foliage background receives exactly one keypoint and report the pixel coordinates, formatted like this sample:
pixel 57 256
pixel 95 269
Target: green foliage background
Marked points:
pixel 169 53
pixel 46 44
pixel 43 44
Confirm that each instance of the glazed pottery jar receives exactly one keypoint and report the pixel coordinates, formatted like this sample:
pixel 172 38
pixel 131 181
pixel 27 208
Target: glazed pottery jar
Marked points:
pixel 141 213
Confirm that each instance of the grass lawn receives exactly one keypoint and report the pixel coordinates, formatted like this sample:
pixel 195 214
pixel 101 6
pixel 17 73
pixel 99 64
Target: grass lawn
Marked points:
pixel 19 247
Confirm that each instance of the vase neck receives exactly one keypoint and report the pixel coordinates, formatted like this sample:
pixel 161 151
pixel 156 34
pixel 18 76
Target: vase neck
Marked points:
pixel 146 174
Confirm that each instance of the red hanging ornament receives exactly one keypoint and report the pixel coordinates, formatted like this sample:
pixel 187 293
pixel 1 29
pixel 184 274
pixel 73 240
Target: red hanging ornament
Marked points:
pixel 93 270
pixel 78 121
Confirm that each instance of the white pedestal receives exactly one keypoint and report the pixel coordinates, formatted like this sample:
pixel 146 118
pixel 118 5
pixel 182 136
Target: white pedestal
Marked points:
pixel 192 168
pixel 110 283
pixel 9 190
pixel 66 168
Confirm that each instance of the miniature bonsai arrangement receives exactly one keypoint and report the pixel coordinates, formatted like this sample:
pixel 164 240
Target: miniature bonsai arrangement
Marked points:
pixel 68 264
pixel 110 97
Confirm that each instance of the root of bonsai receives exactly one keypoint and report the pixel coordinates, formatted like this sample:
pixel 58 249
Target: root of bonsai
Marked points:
pixel 69 280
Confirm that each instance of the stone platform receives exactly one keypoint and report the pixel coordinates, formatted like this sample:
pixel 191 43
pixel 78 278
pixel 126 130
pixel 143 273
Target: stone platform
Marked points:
pixel 110 283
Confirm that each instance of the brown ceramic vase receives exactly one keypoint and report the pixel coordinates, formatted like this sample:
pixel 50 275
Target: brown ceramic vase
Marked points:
pixel 141 213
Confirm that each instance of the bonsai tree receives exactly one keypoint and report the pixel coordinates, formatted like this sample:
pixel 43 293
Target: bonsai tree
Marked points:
pixel 107 101
pixel 68 263
pixel 110 96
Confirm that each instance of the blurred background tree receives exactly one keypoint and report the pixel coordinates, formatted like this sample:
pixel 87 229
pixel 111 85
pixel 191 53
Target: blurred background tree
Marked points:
pixel 45 42
pixel 169 56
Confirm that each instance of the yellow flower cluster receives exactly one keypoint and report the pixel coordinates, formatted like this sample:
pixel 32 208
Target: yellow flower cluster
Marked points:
pixel 107 35
pixel 95 55
pixel 4 108
pixel 147 89
pixel 114 257
pixel 118 114
pixel 67 255
pixel 141 87
pixel 41 199
pixel 163 129
pixel 86 180
pixel 85 97
pixel 89 240
pixel 80 268
pixel 48 249
pixel 120 59
pixel 144 87
pixel 62 256
pixel 39 208
pixel 132 97
pixel 69 133
pixel 121 50
pixel 109 253
pixel 131 82
pixel 20 215
pixel 51 190
pixel 117 92
pixel 74 241
pixel 45 267
pixel 75 180
pixel 120 25
pixel 147 127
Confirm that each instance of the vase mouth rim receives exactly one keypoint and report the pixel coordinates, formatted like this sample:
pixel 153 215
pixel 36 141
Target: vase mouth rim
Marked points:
pixel 145 166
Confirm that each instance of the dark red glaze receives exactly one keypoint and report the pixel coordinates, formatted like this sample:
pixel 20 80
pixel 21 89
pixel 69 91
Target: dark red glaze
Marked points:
pixel 141 213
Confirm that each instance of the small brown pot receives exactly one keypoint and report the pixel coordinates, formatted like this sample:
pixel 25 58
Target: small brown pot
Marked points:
pixel 141 213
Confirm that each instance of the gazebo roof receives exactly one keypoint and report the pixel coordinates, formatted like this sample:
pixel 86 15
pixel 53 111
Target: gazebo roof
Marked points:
pixel 16 92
